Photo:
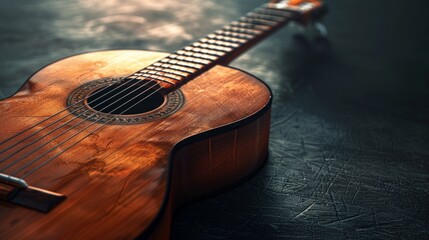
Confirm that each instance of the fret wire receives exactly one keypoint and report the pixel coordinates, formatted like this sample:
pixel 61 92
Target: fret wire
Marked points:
pixel 164 79
pixel 258 21
pixel 198 60
pixel 205 56
pixel 220 43
pixel 226 38
pixel 170 75
pixel 183 69
pixel 274 12
pixel 159 78
pixel 195 59
pixel 180 68
pixel 176 72
pixel 191 65
pixel 205 51
pixel 242 30
pixel 235 35
pixel 165 60
pixel 250 26
pixel 185 53
pixel 140 77
pixel 166 65
pixel 139 73
pixel 266 17
pixel 198 55
pixel 191 60
pixel 168 70
pixel 214 47
pixel 162 72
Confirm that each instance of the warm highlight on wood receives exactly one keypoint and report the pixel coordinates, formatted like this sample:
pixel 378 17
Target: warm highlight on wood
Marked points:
pixel 95 164
pixel 126 180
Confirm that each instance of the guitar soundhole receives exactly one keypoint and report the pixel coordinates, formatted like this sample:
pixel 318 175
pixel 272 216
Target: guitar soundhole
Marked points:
pixel 132 97
pixel 122 101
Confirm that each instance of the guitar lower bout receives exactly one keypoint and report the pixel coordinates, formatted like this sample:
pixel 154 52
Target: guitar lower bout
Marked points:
pixel 124 181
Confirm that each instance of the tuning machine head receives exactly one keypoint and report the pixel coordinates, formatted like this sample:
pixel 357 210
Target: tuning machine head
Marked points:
pixel 308 18
pixel 309 10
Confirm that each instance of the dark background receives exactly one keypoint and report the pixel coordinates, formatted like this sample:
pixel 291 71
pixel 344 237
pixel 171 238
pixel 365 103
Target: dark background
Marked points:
pixel 349 152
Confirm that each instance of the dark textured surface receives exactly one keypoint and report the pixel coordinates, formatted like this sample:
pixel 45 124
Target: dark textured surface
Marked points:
pixel 350 128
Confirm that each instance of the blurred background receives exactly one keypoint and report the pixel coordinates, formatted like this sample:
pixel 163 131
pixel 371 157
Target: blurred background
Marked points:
pixel 349 153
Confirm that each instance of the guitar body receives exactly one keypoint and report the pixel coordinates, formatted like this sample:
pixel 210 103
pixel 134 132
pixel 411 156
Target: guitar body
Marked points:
pixel 125 180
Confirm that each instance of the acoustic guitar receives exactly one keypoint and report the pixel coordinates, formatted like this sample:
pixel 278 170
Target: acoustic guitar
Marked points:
pixel 106 145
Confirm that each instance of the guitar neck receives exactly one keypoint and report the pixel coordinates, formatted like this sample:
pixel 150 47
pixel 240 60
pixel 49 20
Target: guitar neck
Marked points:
pixel 219 47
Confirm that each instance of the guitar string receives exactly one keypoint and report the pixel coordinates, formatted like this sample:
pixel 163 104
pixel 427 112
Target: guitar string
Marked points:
pixel 68 148
pixel 4 159
pixel 51 141
pixel 74 126
pixel 40 147
pixel 58 145
pixel 116 101
pixel 130 100
pixel 124 83
pixel 55 129
pixel 11 137
pixel 106 156
pixel 127 77
pixel 64 109
pixel 69 138
pixel 23 131
pixel 54 122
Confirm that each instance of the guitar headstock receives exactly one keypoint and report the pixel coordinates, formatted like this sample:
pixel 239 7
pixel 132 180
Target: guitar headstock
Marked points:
pixel 309 9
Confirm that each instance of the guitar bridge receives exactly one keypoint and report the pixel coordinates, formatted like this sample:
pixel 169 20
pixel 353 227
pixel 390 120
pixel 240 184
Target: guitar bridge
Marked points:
pixel 16 191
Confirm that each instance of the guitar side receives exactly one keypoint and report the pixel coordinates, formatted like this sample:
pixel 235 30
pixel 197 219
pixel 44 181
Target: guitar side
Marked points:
pixel 127 180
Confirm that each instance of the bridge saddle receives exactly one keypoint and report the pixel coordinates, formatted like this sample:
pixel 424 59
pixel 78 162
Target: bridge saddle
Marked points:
pixel 16 191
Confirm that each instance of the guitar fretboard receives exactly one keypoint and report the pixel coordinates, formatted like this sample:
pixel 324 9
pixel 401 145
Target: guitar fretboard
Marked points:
pixel 219 47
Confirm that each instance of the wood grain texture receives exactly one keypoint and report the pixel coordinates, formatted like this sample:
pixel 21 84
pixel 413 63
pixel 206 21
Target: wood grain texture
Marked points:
pixel 368 91
pixel 116 180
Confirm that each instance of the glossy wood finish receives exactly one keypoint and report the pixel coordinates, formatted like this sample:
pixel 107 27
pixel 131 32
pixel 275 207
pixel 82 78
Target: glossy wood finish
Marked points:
pixel 117 180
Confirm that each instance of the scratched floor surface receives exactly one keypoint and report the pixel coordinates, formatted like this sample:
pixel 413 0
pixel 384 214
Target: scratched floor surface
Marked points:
pixel 349 146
